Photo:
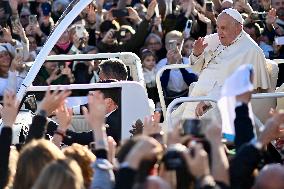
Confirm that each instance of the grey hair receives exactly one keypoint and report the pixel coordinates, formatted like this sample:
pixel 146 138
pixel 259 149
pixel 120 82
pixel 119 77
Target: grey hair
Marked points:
pixel 153 35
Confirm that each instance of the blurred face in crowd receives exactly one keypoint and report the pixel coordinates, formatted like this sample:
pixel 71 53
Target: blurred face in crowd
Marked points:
pixel 64 38
pixel 5 61
pixel 251 32
pixel 50 66
pixel 33 44
pixel 270 177
pixel 155 182
pixel 94 64
pixel 149 62
pixel 153 44
pixel 187 47
pixel 228 29
pixel 280 13
pixel 277 4
pixel 226 5
pixel 127 35
pixel 24 18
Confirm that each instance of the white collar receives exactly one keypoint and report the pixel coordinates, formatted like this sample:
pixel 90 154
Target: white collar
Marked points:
pixel 108 114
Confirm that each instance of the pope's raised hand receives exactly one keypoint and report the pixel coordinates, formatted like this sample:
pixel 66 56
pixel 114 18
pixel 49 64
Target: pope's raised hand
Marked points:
pixel 199 46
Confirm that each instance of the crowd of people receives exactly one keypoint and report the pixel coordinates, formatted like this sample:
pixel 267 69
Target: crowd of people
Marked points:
pixel 218 38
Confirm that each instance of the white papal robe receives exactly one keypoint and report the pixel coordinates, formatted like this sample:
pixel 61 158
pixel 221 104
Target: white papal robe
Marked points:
pixel 216 63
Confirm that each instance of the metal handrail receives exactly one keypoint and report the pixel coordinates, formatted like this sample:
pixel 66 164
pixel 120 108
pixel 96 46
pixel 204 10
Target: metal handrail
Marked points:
pixel 178 66
pixel 159 84
pixel 207 98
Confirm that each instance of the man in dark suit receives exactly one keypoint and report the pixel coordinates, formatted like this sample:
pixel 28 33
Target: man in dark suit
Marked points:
pixel 111 70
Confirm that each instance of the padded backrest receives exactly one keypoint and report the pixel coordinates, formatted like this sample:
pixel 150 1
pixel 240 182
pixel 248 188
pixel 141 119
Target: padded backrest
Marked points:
pixel 261 107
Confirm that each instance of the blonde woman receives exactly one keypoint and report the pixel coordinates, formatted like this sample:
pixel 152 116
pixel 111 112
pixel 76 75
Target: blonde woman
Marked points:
pixel 60 174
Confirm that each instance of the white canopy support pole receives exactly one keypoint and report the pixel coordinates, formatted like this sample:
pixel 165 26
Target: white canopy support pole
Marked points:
pixel 56 34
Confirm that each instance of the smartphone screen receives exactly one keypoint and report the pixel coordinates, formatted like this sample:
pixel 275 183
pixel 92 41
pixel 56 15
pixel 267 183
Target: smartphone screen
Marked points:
pixel 79 31
pixel 195 127
pixel 172 44
pixel 19 51
pixel 33 20
pixel 118 13
pixel 15 21
pixel 209 6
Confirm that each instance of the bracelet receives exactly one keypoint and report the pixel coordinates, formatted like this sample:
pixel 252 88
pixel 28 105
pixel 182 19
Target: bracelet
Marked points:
pixel 59 132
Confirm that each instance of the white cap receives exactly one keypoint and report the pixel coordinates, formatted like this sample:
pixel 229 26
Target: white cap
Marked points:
pixel 229 1
pixel 234 14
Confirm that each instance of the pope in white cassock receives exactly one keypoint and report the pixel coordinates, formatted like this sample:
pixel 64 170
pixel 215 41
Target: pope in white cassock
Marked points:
pixel 216 57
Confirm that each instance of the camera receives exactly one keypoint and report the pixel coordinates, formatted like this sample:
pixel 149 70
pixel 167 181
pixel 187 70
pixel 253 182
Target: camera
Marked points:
pixel 15 21
pixel 173 158
pixel 195 127
pixel 119 34
pixel 33 19
pixel 119 13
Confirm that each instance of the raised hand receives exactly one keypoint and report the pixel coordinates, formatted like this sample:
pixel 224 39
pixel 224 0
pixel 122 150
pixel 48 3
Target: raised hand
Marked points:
pixel 133 14
pixel 64 117
pixel 16 64
pixel 95 116
pixel 14 5
pixel 151 9
pixel 151 124
pixel 174 56
pixel 213 132
pixel 199 46
pixel 273 128
pixel 197 163
pixel 111 149
pixel 7 36
pixel 271 16
pixel 9 111
pixel 146 149
pixel 53 101
pixel 201 108
pixel 53 76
